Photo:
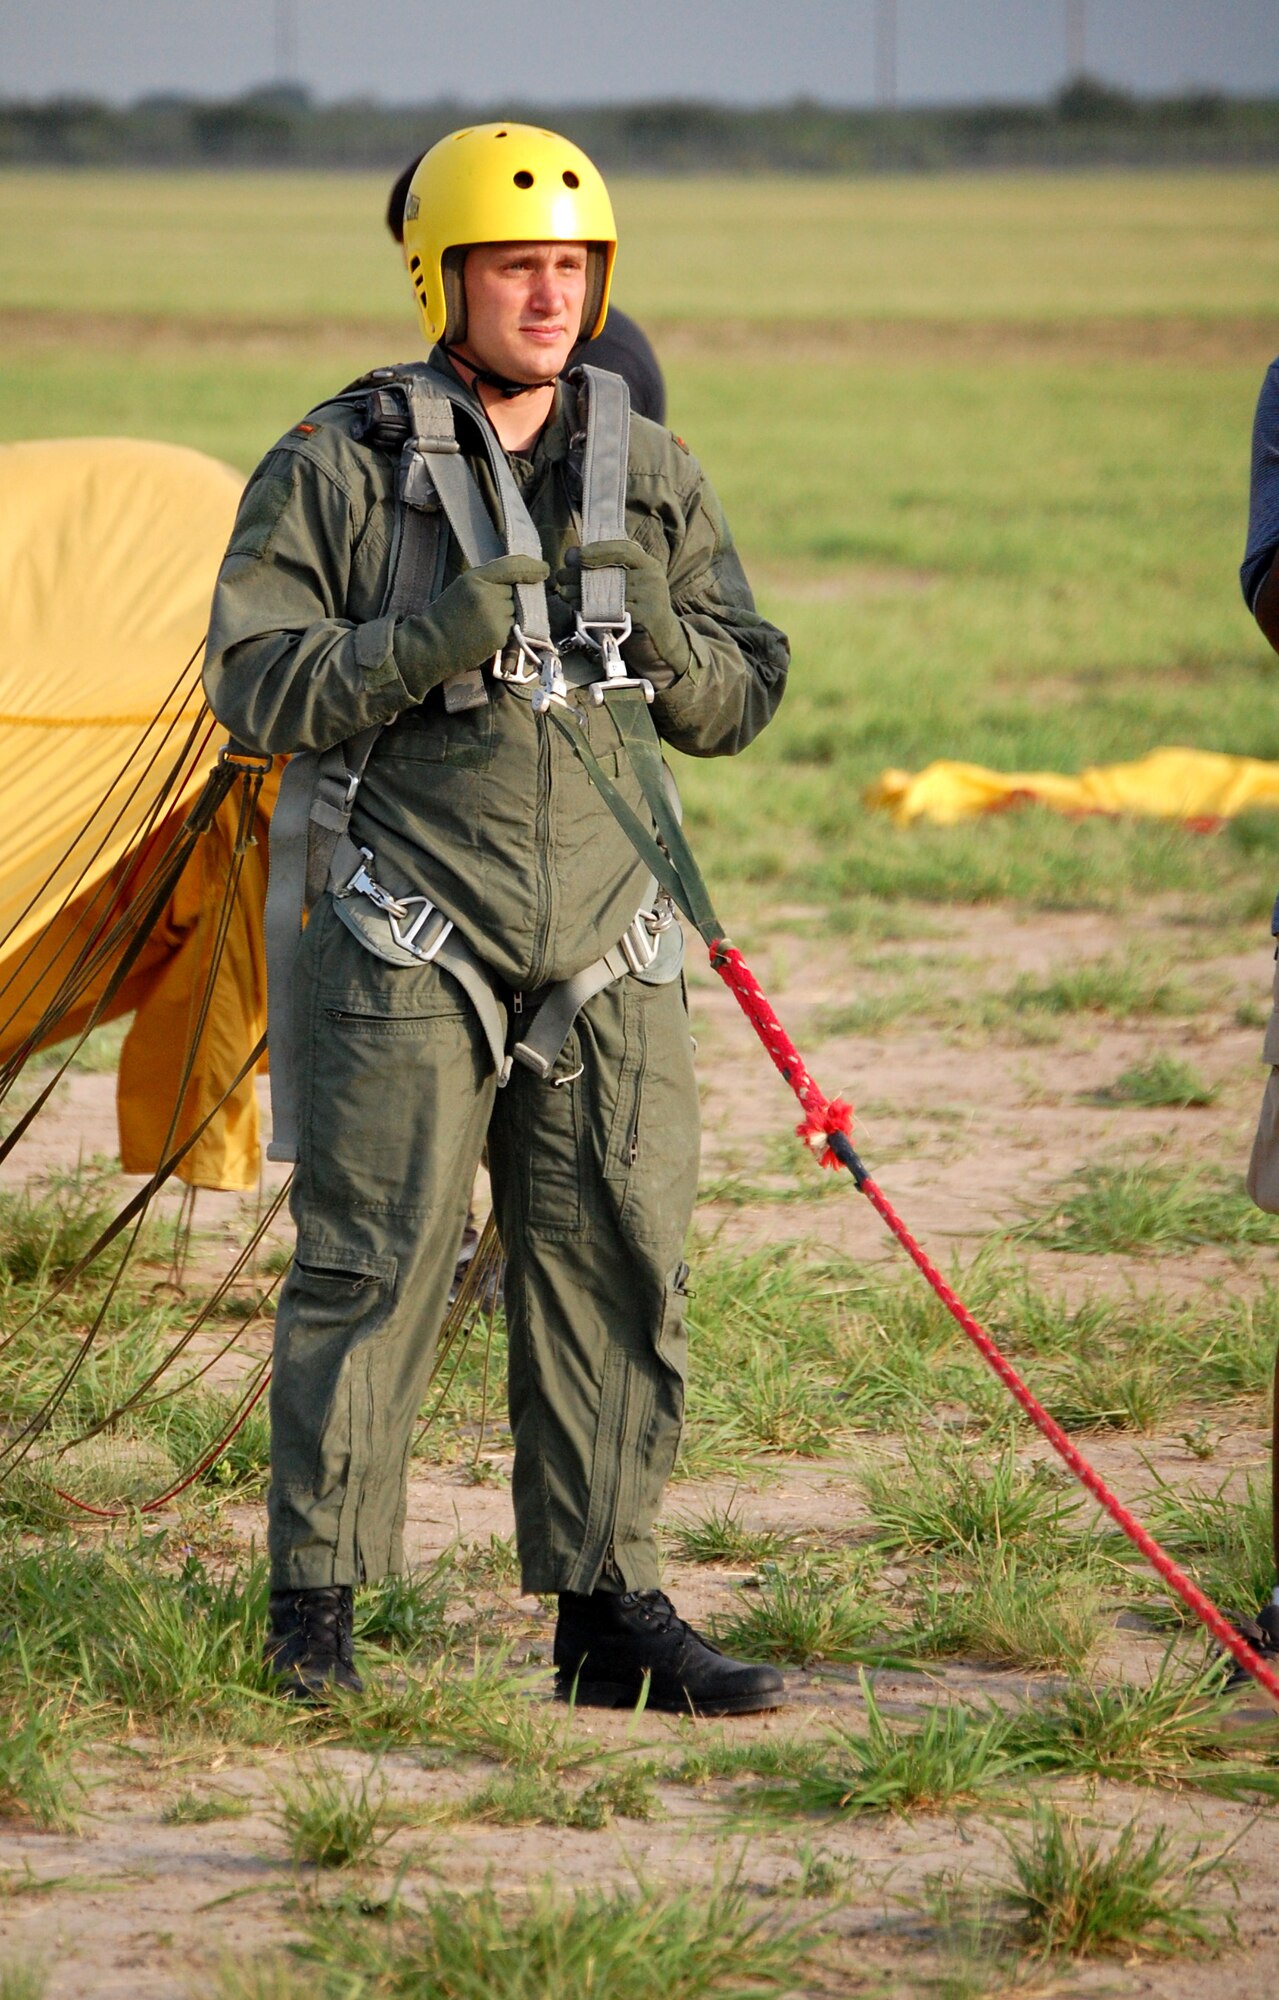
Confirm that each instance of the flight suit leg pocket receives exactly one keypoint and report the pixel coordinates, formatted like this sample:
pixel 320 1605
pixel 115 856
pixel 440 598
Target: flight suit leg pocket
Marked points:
pixel 554 1122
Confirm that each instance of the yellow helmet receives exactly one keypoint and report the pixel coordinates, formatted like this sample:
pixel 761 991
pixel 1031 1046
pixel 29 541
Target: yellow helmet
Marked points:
pixel 503 184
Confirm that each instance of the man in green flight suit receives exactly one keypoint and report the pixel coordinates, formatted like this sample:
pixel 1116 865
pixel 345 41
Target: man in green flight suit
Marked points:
pixel 478 815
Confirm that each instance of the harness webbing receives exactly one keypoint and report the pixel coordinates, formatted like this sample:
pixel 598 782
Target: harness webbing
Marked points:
pixel 831 1119
pixel 317 792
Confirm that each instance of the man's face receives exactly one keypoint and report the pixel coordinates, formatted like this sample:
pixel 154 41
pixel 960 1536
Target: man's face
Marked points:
pixel 524 306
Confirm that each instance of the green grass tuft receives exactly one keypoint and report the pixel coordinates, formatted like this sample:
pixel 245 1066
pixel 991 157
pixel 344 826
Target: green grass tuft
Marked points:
pixel 23 1982
pixel 1169 1732
pixel 1165 1080
pixel 721 1536
pixel 204 1808
pixel 1225 1540
pixel 951 1758
pixel 406 1614
pixel 1010 1613
pixel 43 1234
pixel 1095 1897
pixel 534 1798
pixel 951 1497
pixel 627 1945
pixel 1107 1208
pixel 327 1824
pixel 37 1738
pixel 714 1758
pixel 799 1616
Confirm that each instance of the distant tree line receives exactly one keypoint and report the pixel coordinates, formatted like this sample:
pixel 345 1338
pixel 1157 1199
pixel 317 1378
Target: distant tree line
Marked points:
pixel 1087 123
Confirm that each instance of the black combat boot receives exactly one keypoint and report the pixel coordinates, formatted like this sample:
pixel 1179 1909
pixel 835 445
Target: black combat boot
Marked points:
pixel 1262 1634
pixel 607 1643
pixel 309 1647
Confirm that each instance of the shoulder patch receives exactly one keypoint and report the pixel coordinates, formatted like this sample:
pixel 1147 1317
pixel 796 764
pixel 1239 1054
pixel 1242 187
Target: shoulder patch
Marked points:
pixel 261 511
pixel 304 430
pixel 679 441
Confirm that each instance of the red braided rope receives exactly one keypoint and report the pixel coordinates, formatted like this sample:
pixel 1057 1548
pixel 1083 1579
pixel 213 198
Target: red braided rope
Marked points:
pixel 188 1479
pixel 824 1116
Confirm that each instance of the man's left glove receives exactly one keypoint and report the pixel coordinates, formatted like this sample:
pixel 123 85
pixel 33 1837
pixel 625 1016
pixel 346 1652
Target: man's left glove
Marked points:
pixel 667 653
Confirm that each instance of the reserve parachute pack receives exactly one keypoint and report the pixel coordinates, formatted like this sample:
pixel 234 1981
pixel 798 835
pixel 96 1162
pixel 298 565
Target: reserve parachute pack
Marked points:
pixel 412 409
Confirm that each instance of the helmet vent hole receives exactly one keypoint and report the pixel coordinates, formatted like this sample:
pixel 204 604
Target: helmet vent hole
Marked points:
pixel 499 135
pixel 570 179
pixel 523 179
pixel 415 263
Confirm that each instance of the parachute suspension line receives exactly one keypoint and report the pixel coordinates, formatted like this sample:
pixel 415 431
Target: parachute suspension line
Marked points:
pixel 139 918
pixel 183 1225
pixel 137 1201
pixel 832 1120
pixel 110 893
pixel 252 782
pixel 243 1412
pixel 139 1398
pixel 482 1432
pixel 476 1294
pixel 10 1453
pixel 202 719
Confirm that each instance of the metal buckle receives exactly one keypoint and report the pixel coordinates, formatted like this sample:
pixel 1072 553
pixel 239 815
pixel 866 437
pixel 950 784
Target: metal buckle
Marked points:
pixel 396 908
pixel 638 944
pixel 544 655
pixel 606 639
pixel 501 673
pixel 407 939
pixel 245 760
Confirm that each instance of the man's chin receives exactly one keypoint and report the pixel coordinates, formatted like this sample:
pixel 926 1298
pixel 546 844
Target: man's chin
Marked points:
pixel 542 364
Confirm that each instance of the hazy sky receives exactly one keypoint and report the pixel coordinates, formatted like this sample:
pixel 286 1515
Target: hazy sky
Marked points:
pixel 593 50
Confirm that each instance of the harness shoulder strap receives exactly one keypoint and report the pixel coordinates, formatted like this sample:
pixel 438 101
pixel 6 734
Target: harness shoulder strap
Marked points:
pixel 604 467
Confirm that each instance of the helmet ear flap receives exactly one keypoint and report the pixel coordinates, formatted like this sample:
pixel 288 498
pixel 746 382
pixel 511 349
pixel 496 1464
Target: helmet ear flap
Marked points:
pixel 596 281
pixel 452 270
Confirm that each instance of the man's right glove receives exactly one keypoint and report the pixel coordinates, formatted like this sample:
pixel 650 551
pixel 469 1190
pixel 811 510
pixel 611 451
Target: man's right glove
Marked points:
pixel 659 646
pixel 466 625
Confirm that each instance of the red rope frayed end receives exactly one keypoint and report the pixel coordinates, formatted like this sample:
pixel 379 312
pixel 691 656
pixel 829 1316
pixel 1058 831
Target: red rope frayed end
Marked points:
pixel 835 1116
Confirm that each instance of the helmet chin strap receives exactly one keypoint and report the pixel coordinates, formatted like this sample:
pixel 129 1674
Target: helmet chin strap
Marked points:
pixel 504 384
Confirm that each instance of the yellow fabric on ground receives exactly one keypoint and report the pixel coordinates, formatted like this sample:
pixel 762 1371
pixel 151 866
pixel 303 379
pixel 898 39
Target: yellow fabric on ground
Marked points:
pixel 108 552
pixel 1167 784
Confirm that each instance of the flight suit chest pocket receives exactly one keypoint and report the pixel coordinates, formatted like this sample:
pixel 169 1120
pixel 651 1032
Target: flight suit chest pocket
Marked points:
pixel 428 736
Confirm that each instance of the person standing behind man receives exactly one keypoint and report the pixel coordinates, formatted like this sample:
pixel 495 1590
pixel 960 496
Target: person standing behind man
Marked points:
pixel 1259 578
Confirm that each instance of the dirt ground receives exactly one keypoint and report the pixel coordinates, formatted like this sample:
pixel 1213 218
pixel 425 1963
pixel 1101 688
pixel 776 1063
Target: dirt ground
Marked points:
pixel 961 1131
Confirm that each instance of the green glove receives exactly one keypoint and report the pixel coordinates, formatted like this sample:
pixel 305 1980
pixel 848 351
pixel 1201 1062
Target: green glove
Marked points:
pixel 466 625
pixel 659 647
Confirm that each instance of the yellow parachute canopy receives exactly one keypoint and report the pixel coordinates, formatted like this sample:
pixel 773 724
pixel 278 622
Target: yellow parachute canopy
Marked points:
pixel 1197 786
pixel 108 552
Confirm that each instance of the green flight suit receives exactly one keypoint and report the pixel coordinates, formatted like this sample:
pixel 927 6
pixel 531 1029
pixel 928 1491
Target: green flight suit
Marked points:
pixel 490 813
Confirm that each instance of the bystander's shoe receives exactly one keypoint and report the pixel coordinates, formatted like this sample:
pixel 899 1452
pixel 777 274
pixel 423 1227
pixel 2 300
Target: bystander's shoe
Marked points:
pixel 310 1646
pixel 1262 1634
pixel 608 1644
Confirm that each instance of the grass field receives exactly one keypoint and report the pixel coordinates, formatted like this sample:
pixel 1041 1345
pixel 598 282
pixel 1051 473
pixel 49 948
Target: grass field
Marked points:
pixel 984 446
pixel 1017 549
